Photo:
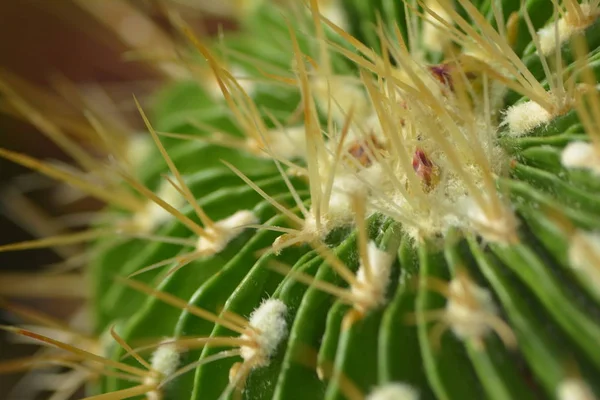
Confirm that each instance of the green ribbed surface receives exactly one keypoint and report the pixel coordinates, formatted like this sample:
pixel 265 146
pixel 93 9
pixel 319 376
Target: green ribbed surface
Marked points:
pixel 554 313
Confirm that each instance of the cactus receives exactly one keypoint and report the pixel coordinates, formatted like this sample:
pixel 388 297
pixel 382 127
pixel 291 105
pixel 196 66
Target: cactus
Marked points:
pixel 381 200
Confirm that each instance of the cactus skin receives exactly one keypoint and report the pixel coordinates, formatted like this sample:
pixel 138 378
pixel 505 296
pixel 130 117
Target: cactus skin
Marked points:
pixel 530 280
pixel 543 340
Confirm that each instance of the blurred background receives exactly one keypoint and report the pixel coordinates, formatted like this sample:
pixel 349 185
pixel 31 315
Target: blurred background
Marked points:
pixel 59 55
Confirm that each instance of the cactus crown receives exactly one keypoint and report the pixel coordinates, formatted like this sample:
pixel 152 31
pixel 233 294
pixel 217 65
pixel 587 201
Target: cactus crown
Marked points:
pixel 350 199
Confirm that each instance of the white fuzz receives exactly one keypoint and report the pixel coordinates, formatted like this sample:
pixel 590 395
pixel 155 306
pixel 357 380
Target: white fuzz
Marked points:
pixel 339 210
pixel 340 207
pixel 468 310
pixel 165 358
pixel 393 391
pixel 574 389
pixel 269 329
pixel 347 184
pixel 340 203
pixel 434 38
pixel 584 254
pixel 338 95
pixel 567 27
pixel 548 35
pixel 311 230
pixel 493 228
pixel 371 294
pixel 224 231
pixel 241 76
pixel 333 11
pixel 524 117
pixel 164 362
pixel 138 149
pixel 581 155
pixel 288 143
pixel 153 215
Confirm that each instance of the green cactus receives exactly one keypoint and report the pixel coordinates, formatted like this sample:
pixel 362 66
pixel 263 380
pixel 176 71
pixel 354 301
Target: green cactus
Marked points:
pixel 383 200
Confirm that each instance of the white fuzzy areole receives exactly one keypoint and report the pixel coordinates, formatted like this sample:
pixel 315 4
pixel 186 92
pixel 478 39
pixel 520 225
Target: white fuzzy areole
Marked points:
pixel 547 34
pixel 164 362
pixel 338 95
pixel 288 143
pixel 270 328
pixel 225 231
pixel 138 149
pixel 393 391
pixel 584 254
pixel 524 117
pixel 244 79
pixel 333 11
pixel 468 321
pixel 347 184
pixel 153 215
pixel 340 203
pixel 339 212
pixel 581 155
pixel 574 389
pixel 311 229
pixel 501 229
pixel 434 38
pixel 580 242
pixel 372 293
pixel 165 358
pixel 241 76
pixel 371 124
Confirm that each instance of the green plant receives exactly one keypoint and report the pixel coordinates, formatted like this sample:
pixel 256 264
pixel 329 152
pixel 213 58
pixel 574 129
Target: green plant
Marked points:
pixel 417 201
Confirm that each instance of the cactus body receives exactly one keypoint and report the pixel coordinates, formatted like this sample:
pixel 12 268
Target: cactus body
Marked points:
pixel 427 220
